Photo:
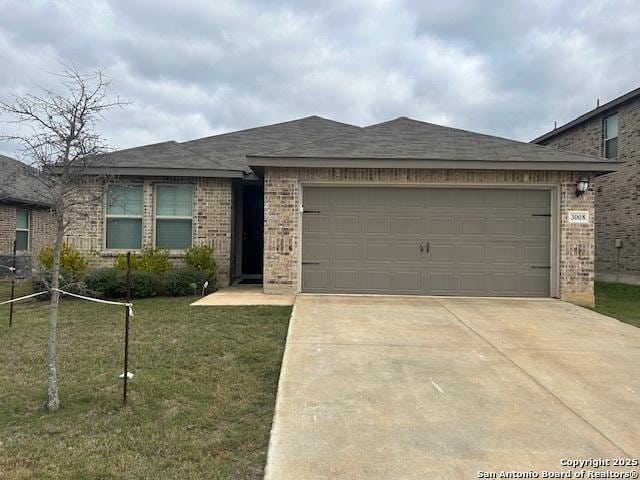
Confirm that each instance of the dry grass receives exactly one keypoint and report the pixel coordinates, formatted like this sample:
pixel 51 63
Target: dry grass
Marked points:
pixel 201 401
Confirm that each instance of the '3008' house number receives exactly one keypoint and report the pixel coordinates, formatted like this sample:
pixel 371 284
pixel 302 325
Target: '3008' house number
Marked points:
pixel 578 216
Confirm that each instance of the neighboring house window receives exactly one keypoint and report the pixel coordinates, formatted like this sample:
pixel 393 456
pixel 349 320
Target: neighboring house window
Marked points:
pixel 611 136
pixel 22 229
pixel 124 217
pixel 174 220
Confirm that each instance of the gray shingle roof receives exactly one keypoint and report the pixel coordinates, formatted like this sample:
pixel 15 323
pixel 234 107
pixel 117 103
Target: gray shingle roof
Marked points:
pixel 230 149
pixel 18 184
pixel 169 154
pixel 405 138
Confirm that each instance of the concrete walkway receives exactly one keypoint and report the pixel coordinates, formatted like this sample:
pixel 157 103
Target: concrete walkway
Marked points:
pixel 435 388
pixel 239 295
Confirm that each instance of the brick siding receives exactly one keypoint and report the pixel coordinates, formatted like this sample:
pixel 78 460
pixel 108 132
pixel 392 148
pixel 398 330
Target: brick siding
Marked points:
pixel 617 193
pixel 282 218
pixel 212 219
pixel 41 228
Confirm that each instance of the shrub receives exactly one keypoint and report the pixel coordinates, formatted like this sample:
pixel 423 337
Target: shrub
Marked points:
pixel 66 281
pixel 106 283
pixel 71 259
pixel 184 281
pixel 145 284
pixel 201 258
pixel 112 283
pixel 151 259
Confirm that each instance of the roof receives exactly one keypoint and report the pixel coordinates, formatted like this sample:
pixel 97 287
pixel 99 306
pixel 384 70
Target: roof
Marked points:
pixel 408 143
pixel 601 110
pixel 165 158
pixel 231 149
pixel 221 155
pixel 18 183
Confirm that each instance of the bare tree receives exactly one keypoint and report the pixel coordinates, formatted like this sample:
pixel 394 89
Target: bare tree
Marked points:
pixel 57 133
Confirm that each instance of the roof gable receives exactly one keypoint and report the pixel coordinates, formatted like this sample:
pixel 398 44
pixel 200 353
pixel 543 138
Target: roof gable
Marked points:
pixel 230 149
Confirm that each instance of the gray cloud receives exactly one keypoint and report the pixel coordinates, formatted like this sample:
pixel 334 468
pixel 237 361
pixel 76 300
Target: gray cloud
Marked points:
pixel 195 68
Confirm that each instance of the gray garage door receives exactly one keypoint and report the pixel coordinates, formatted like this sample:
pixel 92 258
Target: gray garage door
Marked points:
pixel 430 241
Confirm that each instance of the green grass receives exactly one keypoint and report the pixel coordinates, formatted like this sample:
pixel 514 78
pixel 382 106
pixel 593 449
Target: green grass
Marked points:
pixel 200 403
pixel 620 301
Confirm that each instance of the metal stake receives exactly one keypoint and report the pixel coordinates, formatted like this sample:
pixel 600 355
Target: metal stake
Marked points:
pixel 126 332
pixel 13 283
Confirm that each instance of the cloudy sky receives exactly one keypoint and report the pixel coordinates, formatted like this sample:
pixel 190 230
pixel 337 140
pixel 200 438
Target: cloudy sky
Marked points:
pixel 198 67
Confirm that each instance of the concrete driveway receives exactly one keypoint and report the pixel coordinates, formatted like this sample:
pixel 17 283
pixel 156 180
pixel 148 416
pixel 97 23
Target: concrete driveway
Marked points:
pixel 410 387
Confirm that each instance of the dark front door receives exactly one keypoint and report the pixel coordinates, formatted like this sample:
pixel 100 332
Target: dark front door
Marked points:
pixel 252 229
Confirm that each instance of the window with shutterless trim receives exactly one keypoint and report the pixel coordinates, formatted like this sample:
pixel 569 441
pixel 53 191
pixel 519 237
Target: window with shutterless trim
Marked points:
pixel 123 212
pixel 174 216
pixel 610 127
pixel 22 229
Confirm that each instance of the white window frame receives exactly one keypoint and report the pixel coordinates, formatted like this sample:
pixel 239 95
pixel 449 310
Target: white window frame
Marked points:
pixel 28 229
pixel 172 217
pixel 605 133
pixel 108 216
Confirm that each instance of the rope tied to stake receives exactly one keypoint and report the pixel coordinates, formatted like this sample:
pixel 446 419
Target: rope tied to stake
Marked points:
pixel 129 305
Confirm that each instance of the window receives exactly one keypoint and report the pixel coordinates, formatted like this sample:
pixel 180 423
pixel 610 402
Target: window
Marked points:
pixel 22 229
pixel 124 217
pixel 611 136
pixel 174 206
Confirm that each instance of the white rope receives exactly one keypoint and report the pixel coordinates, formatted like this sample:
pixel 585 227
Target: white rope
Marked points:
pixel 97 300
pixel 23 298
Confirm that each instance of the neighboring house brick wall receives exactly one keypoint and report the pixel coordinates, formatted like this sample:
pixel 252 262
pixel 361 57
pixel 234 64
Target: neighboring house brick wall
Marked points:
pixel 617 193
pixel 212 214
pixel 282 218
pixel 7 227
pixel 41 232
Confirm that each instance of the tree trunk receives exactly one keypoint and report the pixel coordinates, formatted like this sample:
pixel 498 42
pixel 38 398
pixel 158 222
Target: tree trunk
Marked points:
pixel 53 401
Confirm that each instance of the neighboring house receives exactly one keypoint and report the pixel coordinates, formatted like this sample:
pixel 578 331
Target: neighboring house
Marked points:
pixel 24 214
pixel 401 207
pixel 612 131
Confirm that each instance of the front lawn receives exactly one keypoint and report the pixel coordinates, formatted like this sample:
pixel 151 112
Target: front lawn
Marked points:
pixel 620 301
pixel 200 403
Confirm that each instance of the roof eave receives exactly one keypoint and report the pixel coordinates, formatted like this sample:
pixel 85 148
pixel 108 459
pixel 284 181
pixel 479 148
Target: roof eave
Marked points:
pixel 259 163
pixel 24 202
pixel 163 172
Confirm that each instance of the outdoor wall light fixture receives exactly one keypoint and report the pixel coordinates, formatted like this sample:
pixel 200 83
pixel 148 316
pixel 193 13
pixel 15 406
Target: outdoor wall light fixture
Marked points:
pixel 582 186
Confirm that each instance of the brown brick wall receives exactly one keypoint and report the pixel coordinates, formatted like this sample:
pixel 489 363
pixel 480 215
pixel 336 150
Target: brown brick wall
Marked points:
pixel 282 217
pixel 617 193
pixel 212 215
pixel 41 228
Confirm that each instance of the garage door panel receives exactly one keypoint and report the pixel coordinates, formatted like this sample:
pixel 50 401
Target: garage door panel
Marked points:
pixel 471 254
pixel 314 279
pixel 408 225
pixel 407 252
pixel 346 223
pixel 378 252
pixel 378 224
pixel 408 281
pixel 505 254
pixel 440 225
pixel 440 252
pixel 481 241
pixel 346 252
pixel 472 282
pixel 346 279
pixel 472 226
pixel 316 251
pixel 315 223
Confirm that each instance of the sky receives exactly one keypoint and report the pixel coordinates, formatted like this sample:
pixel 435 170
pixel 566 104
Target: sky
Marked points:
pixel 193 68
